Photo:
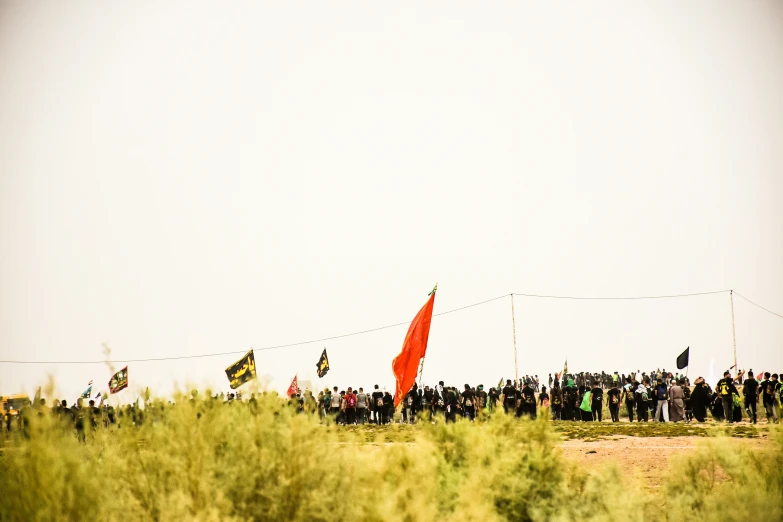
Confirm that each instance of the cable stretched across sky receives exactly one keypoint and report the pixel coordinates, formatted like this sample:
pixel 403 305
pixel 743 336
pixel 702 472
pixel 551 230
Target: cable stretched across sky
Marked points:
pixel 395 325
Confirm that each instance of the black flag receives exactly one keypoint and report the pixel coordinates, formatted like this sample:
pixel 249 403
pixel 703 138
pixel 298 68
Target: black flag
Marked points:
pixel 682 360
pixel 242 371
pixel 323 364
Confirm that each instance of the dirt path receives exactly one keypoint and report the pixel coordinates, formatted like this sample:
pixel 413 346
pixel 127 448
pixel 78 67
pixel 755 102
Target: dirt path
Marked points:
pixel 648 457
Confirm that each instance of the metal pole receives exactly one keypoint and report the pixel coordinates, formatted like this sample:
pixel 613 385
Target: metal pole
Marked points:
pixel 514 331
pixel 733 335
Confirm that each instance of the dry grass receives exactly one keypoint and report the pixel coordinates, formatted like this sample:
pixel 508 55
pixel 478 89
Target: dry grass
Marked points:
pixel 206 461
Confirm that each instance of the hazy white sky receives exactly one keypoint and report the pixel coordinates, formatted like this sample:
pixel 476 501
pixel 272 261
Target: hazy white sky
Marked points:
pixel 181 178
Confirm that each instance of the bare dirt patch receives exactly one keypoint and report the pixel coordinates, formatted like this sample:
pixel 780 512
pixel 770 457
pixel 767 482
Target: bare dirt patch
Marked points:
pixel 647 458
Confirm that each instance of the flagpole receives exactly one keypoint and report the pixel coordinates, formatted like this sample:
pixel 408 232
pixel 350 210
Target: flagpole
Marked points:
pixel 421 364
pixel 514 332
pixel 733 335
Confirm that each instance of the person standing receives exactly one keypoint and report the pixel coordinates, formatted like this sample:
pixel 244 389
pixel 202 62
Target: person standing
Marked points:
pixel 570 397
pixel 388 408
pixel 377 405
pixel 750 389
pixel 528 405
pixel 543 399
pixel 726 390
pixel 509 397
pixel 410 410
pixel 677 398
pixel 556 401
pixel 641 397
pixel 361 407
pixel 613 399
pixel 700 399
pixel 349 405
pixel 586 405
pixel 597 402
pixel 662 394
pixel 452 403
pixel 686 393
pixel 482 400
pixel 469 403
pixel 629 397
pixel 769 398
pixel 439 401
pixel 426 400
pixel 335 404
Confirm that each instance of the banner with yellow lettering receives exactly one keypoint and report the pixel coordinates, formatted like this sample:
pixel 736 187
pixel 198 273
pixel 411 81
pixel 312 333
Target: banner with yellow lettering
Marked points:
pixel 242 371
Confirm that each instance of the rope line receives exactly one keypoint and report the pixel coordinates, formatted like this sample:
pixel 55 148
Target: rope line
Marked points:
pixel 302 343
pixel 756 304
pixel 623 298
pixel 395 325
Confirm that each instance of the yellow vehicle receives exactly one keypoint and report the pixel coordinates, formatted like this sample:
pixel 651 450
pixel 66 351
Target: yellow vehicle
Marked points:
pixel 11 405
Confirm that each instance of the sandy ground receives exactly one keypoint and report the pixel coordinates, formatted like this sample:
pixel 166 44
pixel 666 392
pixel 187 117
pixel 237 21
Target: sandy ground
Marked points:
pixel 645 457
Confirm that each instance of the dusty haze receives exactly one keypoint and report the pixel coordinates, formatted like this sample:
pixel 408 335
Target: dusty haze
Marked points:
pixel 183 178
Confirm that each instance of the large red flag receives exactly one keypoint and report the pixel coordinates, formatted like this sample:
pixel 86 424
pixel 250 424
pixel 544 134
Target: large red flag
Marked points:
pixel 406 365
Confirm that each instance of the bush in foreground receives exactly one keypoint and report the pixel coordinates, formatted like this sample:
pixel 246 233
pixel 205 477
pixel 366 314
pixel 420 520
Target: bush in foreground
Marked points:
pixel 202 460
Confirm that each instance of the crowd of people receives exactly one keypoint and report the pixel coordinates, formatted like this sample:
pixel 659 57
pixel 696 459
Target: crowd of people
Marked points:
pixel 658 396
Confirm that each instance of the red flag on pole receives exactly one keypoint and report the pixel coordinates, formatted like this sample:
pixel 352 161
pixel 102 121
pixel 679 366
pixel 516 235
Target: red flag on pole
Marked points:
pixel 406 365
pixel 294 388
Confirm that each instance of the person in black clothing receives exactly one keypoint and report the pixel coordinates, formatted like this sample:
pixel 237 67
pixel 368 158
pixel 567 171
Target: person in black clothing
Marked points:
pixel 439 400
pixel 426 400
pixel 726 390
pixel 388 405
pixel 641 397
pixel 556 401
pixel 613 399
pixel 377 405
pixel 570 396
pixel 629 395
pixel 494 398
pixel 452 401
pixel 94 415
pixel 750 390
pixel 509 397
pixel 482 400
pixel 528 403
pixel 686 393
pixel 580 413
pixel 597 400
pixel 543 399
pixel 767 392
pixel 79 420
pixel 469 403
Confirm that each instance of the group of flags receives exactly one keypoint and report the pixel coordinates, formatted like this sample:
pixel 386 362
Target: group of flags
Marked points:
pixel 406 366
pixel 118 382
pixel 244 370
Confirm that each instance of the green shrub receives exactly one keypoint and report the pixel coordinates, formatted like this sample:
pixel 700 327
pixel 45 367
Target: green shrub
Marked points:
pixel 203 460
